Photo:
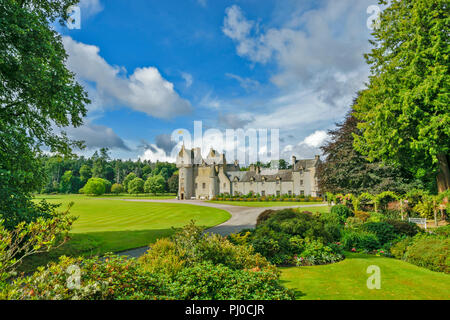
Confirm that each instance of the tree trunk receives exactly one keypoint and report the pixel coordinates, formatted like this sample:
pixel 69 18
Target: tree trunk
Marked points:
pixel 443 177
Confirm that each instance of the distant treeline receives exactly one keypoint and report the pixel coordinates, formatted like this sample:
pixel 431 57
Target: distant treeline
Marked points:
pixel 69 175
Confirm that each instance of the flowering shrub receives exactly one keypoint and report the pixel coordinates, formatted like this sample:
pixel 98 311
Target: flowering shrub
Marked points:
pixel 100 279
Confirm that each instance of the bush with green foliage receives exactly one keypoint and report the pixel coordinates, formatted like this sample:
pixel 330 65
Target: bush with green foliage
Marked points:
pixel 332 224
pixel 404 228
pixel 376 217
pixel 398 250
pixel 205 281
pixel 281 236
pixel 342 211
pixel 131 176
pixel 360 240
pixel 117 188
pixel 431 252
pixel 136 186
pixel 94 186
pixel 163 257
pixel 442 231
pixel 385 232
pixel 263 216
pixel 314 252
pixel 155 184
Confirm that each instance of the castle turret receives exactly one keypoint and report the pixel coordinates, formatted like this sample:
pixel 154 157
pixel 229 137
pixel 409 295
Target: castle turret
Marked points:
pixel 213 188
pixel 185 167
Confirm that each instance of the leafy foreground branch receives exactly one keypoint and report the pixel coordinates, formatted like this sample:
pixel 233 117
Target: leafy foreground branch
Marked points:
pixel 27 239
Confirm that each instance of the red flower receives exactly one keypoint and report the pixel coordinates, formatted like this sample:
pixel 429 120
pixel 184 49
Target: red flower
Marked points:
pixel 353 250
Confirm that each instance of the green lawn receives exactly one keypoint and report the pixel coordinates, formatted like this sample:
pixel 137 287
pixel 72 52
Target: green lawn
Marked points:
pixel 347 280
pixel 267 203
pixel 111 225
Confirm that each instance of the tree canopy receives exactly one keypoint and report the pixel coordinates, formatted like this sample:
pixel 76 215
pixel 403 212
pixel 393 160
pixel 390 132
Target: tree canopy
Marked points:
pixel 404 114
pixel 345 170
pixel 39 97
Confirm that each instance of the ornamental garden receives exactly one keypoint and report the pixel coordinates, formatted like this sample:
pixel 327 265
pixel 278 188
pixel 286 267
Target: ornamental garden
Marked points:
pixel 77 228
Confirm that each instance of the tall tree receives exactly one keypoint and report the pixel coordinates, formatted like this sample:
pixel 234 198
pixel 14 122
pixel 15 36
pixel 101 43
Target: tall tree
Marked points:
pixel 344 170
pixel 405 112
pixel 37 94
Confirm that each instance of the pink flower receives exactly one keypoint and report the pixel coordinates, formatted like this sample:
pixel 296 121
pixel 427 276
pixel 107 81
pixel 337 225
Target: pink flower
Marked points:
pixel 353 249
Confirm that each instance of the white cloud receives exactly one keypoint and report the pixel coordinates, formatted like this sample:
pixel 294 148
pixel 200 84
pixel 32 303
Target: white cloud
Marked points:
pixel 246 83
pixel 97 136
pixel 210 102
pixel 90 7
pixel 145 90
pixel 187 78
pixel 320 49
pixel 153 153
pixel 316 139
pixel 319 66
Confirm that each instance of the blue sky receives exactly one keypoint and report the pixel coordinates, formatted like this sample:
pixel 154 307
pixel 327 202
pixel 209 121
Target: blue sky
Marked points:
pixel 151 67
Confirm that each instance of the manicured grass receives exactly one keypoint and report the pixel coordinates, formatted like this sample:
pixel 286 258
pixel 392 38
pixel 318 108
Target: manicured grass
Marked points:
pixel 346 280
pixel 111 225
pixel 267 203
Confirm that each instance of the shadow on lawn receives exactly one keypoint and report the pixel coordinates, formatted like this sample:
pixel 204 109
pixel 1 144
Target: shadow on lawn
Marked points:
pixel 297 293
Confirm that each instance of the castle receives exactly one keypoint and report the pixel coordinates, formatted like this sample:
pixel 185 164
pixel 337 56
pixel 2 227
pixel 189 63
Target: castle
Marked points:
pixel 206 178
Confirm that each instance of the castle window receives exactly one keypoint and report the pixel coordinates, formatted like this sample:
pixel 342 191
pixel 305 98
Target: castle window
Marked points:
pixel 263 193
pixel 301 182
pixel 302 193
pixel 204 185
pixel 196 185
pixel 224 185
